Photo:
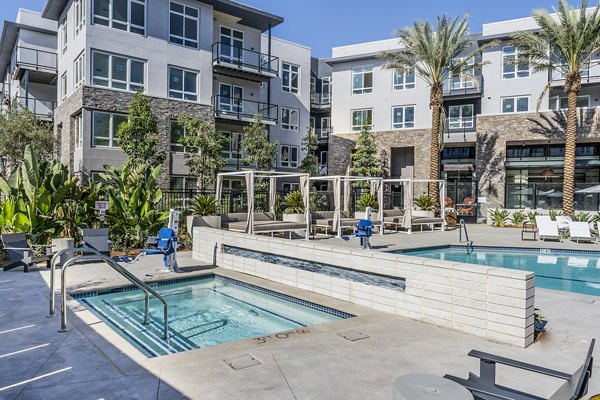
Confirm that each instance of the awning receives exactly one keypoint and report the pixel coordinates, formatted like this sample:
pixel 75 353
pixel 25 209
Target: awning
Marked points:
pixel 551 163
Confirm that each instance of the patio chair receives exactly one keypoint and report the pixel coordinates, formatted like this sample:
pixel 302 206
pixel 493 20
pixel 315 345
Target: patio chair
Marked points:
pixel 484 387
pixel 580 231
pixel 21 253
pixel 97 239
pixel 547 228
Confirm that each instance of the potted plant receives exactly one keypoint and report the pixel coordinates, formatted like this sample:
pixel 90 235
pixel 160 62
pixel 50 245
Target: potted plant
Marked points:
pixel 425 206
pixel 367 200
pixel 294 207
pixel 539 323
pixel 203 210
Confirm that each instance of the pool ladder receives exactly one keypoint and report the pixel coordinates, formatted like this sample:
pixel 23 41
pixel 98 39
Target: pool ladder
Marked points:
pixel 97 256
pixel 469 242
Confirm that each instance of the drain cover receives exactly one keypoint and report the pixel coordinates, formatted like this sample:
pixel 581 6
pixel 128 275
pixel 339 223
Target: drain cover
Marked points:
pixel 353 335
pixel 583 300
pixel 243 361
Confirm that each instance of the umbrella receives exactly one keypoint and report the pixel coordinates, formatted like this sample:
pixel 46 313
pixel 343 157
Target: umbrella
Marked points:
pixel 593 189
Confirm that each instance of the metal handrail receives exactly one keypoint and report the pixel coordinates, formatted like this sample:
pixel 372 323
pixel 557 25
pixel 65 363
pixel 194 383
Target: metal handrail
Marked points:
pixel 469 242
pixel 236 107
pixel 122 271
pixel 243 57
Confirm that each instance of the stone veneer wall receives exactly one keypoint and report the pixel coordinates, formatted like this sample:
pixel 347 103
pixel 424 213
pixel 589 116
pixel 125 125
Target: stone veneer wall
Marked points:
pixel 341 146
pixel 92 98
pixel 494 303
pixel 495 131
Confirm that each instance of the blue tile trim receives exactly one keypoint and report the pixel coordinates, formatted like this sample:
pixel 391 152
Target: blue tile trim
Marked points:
pixel 368 278
pixel 503 249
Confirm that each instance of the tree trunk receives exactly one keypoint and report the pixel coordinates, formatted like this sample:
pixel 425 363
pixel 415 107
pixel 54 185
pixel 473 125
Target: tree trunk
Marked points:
pixel 436 99
pixel 572 85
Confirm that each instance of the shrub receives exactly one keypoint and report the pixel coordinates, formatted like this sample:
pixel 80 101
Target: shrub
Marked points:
pixel 531 216
pixel 499 218
pixel 554 213
pixel 204 205
pixel 582 217
pixel 293 203
pixel 518 218
pixel 425 202
pixel 368 200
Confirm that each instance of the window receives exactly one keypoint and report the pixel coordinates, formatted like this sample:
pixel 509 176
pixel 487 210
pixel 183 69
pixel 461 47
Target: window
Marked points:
pixel 79 15
pixel 183 25
pixel 290 78
pixel 232 184
pixel 313 84
pixel 312 122
pixel 117 72
pixel 325 126
pixel 232 45
pixel 233 147
pixel 183 183
pixel 105 127
pixel 403 117
pixel 183 84
pixel 79 71
pixel 64 35
pixel 460 116
pixel 177 133
pixel 79 131
pixel 404 81
pixel 290 187
pixel 458 82
pixel 561 103
pixel 126 15
pixel 63 86
pixel 230 98
pixel 362 79
pixel 515 104
pixel 288 156
pixel 509 54
pixel 361 118
pixel 323 158
pixel 289 118
pixel 326 90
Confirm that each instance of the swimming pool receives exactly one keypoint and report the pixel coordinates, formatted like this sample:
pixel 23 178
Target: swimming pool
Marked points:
pixel 567 270
pixel 204 311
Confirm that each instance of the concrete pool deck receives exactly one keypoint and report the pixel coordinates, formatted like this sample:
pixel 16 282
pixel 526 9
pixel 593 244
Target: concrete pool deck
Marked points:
pixel 92 361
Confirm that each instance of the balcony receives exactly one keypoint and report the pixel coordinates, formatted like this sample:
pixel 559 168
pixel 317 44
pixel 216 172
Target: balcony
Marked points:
pixel 460 129
pixel 244 110
pixel 42 66
pixel 243 62
pixel 320 100
pixel 588 77
pixel 42 109
pixel 456 87
pixel 323 134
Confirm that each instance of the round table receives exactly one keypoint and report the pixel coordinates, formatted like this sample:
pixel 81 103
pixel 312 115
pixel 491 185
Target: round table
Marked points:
pixel 425 387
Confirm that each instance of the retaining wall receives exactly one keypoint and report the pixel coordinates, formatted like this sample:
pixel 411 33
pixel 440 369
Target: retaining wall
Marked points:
pixel 494 303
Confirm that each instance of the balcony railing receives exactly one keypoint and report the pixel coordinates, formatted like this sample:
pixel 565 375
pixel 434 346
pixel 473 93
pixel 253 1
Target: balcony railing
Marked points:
pixel 240 109
pixel 39 60
pixel 456 86
pixel 323 133
pixel 320 99
pixel 459 125
pixel 558 79
pixel 43 109
pixel 240 58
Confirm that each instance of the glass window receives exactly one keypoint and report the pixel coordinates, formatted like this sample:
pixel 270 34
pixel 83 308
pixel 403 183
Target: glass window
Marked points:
pixel 458 82
pixel 509 54
pixel 290 78
pixel 361 118
pixel 183 25
pixel 182 183
pixel 325 126
pixel 561 103
pixel 79 131
pixel 515 104
pixel 79 15
pixel 313 84
pixel 63 86
pixel 64 36
pixel 290 187
pixel 79 71
pixel 232 149
pixel 126 15
pixel 403 117
pixel 312 122
pixel 326 90
pixel 404 81
pixel 117 72
pixel 288 156
pixel 232 44
pixel 362 79
pixel 105 127
pixel 461 116
pixel 289 118
pixel 177 133
pixel 183 84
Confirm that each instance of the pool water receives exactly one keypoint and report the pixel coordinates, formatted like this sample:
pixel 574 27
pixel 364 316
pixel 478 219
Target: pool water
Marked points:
pixel 570 271
pixel 203 313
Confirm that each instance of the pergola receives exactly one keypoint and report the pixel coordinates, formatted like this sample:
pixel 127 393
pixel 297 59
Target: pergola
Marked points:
pixel 272 176
pixel 408 194
pixel 376 188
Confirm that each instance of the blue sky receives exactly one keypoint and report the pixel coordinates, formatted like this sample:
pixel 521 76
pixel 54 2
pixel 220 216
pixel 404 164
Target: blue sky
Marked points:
pixel 323 24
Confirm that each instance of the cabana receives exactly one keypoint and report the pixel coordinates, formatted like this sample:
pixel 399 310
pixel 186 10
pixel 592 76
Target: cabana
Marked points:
pixel 337 219
pixel 265 222
pixel 408 220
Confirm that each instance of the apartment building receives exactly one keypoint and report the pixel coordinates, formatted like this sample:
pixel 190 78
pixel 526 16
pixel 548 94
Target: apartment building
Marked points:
pixel 214 59
pixel 497 147
pixel 28 63
pixel 320 111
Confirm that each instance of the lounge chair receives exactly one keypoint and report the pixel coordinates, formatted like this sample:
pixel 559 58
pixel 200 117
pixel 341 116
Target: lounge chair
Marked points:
pixel 21 253
pixel 547 228
pixel 580 231
pixel 563 222
pixel 484 387
pixel 97 239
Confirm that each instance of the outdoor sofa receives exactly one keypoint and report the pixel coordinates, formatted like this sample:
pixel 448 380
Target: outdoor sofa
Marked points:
pixel 324 220
pixel 264 222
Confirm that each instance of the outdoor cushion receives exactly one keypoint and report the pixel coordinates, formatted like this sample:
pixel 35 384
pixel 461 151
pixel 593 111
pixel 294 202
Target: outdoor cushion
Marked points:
pixel 426 220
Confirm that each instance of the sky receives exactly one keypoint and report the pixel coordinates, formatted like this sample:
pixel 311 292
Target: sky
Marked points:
pixel 323 24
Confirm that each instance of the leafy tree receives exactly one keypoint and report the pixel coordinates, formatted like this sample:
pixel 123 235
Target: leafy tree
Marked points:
pixel 309 145
pixel 203 149
pixel 364 160
pixel 436 55
pixel 18 128
pixel 563 44
pixel 138 137
pixel 258 149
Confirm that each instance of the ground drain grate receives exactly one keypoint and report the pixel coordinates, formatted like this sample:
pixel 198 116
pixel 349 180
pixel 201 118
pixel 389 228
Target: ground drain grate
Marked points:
pixel 243 361
pixel 583 300
pixel 353 335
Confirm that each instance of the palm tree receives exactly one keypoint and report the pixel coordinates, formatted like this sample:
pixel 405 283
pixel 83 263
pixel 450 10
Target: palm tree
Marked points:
pixel 564 44
pixel 436 56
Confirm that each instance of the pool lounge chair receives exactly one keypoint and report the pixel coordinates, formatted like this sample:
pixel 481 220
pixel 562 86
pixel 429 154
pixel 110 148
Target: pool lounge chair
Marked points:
pixel 547 228
pixel 483 387
pixel 563 222
pixel 580 231
pixel 21 253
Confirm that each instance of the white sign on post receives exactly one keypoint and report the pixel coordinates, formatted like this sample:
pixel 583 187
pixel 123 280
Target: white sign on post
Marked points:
pixel 102 206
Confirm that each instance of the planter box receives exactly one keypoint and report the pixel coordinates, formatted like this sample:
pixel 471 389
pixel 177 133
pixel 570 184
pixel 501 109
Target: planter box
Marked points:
pixel 210 221
pixel 299 218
